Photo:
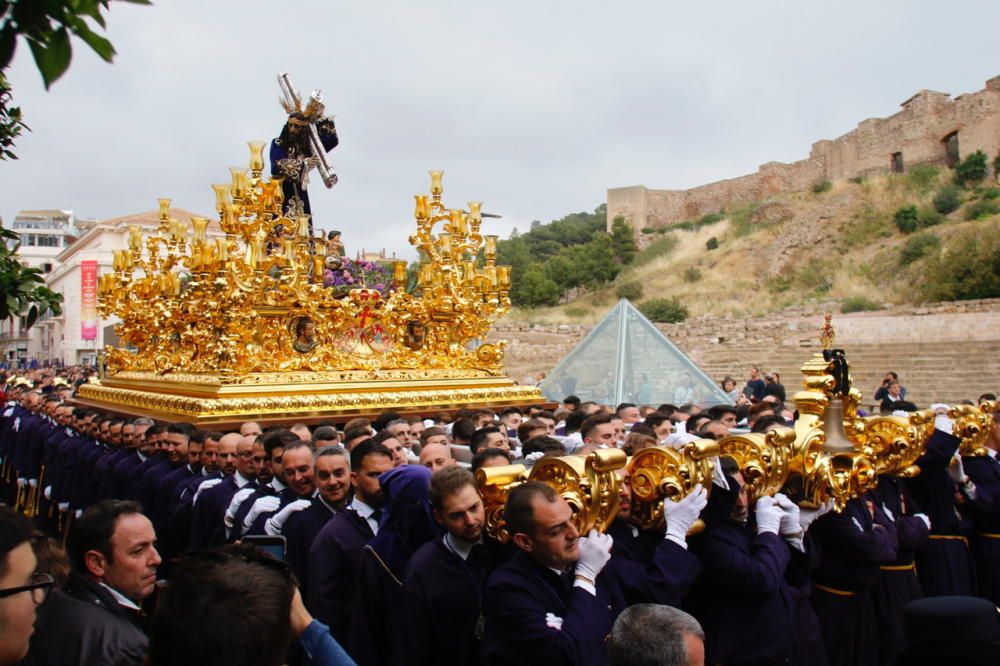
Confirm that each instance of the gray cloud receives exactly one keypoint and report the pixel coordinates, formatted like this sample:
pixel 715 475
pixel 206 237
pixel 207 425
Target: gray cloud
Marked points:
pixel 535 108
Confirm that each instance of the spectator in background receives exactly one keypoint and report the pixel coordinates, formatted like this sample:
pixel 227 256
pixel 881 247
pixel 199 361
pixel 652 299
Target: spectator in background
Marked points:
pixel 729 387
pixel 754 388
pixel 773 386
pixel 883 390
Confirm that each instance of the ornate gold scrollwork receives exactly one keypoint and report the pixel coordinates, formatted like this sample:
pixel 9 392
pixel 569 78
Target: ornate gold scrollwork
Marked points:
pixel 972 426
pixel 659 473
pixel 763 459
pixel 589 484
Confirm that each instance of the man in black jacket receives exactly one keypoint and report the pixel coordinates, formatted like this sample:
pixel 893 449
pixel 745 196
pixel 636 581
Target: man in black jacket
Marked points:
pixel 96 619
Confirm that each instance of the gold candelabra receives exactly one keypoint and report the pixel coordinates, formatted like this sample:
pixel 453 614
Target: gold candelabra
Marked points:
pixel 255 301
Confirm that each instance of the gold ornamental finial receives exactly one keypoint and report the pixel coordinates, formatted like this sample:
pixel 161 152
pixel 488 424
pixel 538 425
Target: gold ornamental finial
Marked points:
pixel 827 335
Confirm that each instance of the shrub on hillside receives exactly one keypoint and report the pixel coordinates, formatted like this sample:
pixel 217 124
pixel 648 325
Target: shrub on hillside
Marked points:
pixel 664 310
pixel 921 177
pixel 712 244
pixel 906 219
pixel 821 186
pixel 859 304
pixel 928 217
pixel 977 210
pixel 990 193
pixel 917 247
pixel 691 274
pixel 948 199
pixel 857 180
pixel 658 248
pixel 648 230
pixel 972 170
pixel 966 268
pixel 630 291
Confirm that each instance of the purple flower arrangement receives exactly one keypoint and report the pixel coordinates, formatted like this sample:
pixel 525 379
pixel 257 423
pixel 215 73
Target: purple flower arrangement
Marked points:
pixel 358 275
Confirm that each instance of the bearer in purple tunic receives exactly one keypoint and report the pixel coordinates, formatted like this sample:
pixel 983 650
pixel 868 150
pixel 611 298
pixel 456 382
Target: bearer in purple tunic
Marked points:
pixel 984 510
pixel 944 564
pixel 748 599
pixel 336 552
pixel 332 472
pixel 648 566
pixel 551 604
pixel 446 578
pixel 899 584
pixel 377 616
pixel 853 544
pixel 210 506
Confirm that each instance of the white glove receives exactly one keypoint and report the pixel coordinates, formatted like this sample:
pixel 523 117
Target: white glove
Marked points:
pixel 956 470
pixel 768 516
pixel 944 424
pixel 923 517
pixel 680 516
pixel 21 483
pixel 47 492
pixel 276 523
pixel 888 513
pixel 33 483
pixel 267 504
pixel 790 516
pixel 64 506
pixel 79 512
pixel 205 485
pixel 235 504
pixel 595 551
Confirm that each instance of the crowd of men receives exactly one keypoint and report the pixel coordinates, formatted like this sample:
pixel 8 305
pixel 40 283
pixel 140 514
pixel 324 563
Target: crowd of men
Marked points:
pixel 383 558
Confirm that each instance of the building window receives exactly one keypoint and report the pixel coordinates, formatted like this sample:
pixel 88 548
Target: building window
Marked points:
pixel 897 163
pixel 46 268
pixel 951 152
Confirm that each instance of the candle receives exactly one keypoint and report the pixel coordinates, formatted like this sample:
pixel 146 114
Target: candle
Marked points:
pixel 436 188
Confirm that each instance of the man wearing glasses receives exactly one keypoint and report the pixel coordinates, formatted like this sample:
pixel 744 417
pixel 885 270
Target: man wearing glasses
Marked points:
pixel 21 589
pixel 97 617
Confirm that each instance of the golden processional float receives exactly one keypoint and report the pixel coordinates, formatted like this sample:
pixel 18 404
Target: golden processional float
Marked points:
pixel 243 327
pixel 832 454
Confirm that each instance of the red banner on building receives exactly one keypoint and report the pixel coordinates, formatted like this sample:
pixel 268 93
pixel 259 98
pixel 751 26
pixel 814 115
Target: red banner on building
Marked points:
pixel 88 300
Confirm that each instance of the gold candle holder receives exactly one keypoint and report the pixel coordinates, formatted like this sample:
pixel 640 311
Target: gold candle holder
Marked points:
pixel 289 246
pixel 279 194
pixel 444 244
pixel 164 209
pixel 421 210
pixel 475 212
pixel 436 188
pixel 223 249
pixel 491 248
pixel 239 182
pixel 221 196
pixel 256 157
pixel 200 227
pixel 503 277
pixel 399 274
pixel 303 226
pixel 134 237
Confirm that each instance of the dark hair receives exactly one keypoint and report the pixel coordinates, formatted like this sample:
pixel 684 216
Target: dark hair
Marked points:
pixel 763 423
pixel 483 455
pixel 481 436
pixel 518 512
pixel 51 558
pixel 182 428
pixel 94 529
pixel 15 529
pixel 667 408
pixel 987 396
pixel 384 419
pixel 574 421
pixel 325 433
pixel 524 430
pixel 510 410
pixel 448 481
pixel 433 431
pixel 278 439
pixel 225 607
pixel 357 431
pixel 718 411
pixel 624 405
pixel 462 429
pixel 543 444
pixel 695 424
pixel 362 450
pixel 383 435
pixel 571 400
pixel 592 422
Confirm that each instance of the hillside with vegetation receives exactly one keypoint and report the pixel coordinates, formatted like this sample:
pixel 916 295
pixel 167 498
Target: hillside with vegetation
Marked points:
pixel 930 234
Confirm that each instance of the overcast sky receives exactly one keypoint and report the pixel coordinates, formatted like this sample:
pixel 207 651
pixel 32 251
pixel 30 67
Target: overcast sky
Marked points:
pixel 534 107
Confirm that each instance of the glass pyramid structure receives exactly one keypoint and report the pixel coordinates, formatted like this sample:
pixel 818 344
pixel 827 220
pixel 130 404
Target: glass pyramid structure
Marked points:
pixel 625 358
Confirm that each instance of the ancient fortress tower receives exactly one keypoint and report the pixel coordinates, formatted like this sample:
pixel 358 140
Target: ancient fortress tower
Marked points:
pixel 931 128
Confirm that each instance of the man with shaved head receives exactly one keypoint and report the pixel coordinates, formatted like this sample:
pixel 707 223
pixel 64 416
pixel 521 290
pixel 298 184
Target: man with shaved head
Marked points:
pixel 436 456
pixel 250 428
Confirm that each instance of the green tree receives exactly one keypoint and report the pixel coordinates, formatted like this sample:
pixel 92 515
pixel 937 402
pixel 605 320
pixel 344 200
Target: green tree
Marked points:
pixel 23 289
pixel 972 170
pixel 948 199
pixel 535 289
pixel 623 241
pixel 46 25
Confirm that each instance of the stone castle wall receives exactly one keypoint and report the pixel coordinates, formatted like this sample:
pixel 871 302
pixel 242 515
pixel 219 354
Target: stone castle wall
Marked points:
pixel 918 134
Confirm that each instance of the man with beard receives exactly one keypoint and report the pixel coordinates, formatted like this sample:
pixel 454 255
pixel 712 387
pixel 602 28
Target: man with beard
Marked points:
pixel 332 472
pixel 446 577
pixel 292 159
pixel 336 551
